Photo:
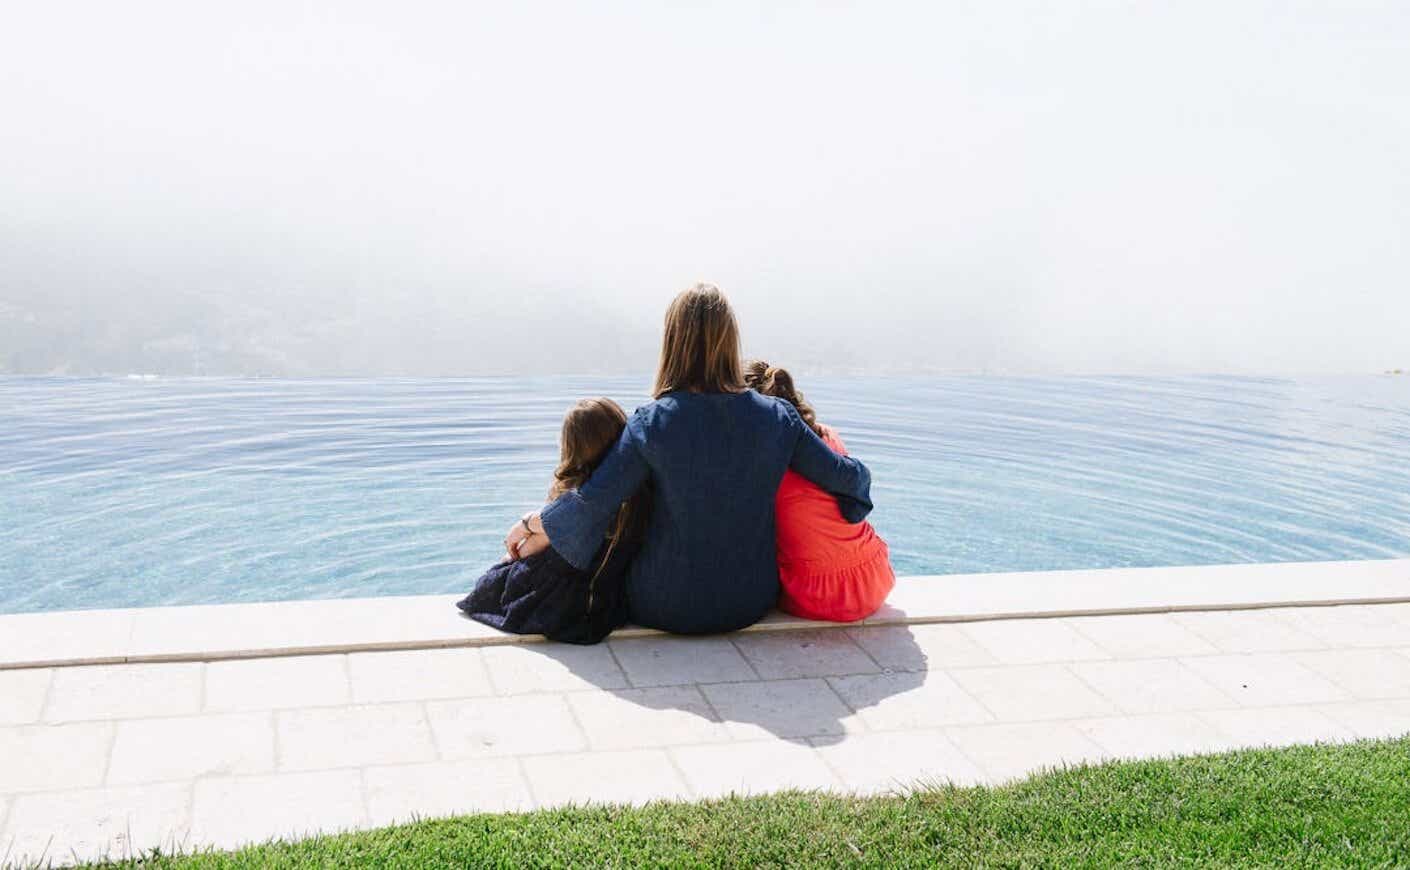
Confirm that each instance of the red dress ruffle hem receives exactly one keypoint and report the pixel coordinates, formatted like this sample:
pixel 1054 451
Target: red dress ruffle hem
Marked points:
pixel 829 568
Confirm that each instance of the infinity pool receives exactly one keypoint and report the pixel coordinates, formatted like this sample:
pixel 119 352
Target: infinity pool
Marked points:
pixel 133 492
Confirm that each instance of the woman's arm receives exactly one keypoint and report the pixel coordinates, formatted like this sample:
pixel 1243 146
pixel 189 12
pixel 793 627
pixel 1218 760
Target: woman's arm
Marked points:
pixel 577 521
pixel 843 477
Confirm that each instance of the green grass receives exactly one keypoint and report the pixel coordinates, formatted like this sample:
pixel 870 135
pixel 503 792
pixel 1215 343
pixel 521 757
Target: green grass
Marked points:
pixel 1331 805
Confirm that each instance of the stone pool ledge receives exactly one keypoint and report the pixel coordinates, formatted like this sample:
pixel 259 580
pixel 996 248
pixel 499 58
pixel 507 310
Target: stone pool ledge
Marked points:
pixel 236 631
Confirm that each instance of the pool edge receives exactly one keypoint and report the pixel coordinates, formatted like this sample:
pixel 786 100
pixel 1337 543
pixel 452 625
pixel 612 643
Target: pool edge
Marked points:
pixel 242 631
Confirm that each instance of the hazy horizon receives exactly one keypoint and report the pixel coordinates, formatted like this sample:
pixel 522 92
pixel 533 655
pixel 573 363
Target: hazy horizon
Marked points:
pixel 342 189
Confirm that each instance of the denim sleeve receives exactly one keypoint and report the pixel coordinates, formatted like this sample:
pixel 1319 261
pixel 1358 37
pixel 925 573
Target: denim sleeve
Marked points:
pixel 577 521
pixel 843 477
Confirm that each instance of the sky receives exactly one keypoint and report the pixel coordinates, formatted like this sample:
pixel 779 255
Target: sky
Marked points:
pixel 438 188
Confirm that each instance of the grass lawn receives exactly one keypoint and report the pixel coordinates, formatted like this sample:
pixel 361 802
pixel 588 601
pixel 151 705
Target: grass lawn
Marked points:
pixel 1336 805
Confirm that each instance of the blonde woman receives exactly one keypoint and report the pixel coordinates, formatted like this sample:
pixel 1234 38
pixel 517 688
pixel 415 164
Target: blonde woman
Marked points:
pixel 713 453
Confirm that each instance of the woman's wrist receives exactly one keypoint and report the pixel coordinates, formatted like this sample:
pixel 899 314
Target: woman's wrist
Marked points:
pixel 532 523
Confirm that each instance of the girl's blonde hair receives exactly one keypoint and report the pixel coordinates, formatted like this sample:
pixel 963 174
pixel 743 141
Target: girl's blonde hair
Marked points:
pixel 700 346
pixel 774 381
pixel 590 428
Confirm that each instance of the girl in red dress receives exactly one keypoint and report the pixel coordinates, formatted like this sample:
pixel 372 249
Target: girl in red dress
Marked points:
pixel 828 568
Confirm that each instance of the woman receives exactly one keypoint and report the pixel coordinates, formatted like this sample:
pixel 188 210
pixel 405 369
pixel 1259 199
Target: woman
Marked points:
pixel 714 453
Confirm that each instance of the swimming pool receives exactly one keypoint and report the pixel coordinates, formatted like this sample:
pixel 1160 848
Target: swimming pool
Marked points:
pixel 120 492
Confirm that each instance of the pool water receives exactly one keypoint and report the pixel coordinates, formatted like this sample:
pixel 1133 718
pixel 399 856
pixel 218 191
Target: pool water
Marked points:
pixel 131 492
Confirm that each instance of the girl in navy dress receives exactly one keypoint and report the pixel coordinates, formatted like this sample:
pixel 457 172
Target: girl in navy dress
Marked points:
pixel 544 594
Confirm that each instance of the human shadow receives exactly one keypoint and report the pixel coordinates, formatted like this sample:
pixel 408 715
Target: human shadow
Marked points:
pixel 809 683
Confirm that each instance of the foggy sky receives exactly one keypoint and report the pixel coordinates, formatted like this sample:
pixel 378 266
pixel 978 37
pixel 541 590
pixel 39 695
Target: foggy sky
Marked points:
pixel 461 188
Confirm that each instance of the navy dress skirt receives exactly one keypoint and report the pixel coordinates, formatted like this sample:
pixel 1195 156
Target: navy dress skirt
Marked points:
pixel 543 594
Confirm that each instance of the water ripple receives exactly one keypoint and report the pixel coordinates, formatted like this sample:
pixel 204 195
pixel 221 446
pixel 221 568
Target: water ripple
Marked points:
pixel 122 492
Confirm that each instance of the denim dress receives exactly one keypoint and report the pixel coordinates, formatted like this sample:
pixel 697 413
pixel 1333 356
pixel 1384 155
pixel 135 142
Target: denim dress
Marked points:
pixel 713 462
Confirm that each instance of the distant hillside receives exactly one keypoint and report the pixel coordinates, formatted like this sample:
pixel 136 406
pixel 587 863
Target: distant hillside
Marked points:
pixel 190 334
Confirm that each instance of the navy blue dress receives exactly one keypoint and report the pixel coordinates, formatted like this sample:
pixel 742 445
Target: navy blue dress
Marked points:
pixel 543 594
pixel 714 462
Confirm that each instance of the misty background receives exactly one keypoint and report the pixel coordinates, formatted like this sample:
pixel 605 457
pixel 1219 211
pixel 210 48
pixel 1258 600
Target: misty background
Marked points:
pixel 419 188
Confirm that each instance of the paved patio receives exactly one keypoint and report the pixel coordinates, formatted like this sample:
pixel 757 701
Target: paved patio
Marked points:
pixel 116 759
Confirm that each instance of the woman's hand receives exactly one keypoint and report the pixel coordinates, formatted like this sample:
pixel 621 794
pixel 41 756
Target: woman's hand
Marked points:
pixel 526 538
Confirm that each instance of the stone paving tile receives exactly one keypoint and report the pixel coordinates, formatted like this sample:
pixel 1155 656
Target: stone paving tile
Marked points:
pixel 23 692
pixel 1367 625
pixel 1246 631
pixel 1011 750
pixel 185 747
pixel 417 675
pixel 52 757
pixel 433 739
pixel 1265 679
pixel 400 793
pixel 1151 686
pixel 1148 635
pixel 905 701
pixel 752 768
pixel 93 824
pixel 644 718
pixel 899 761
pixel 1153 736
pixel 546 667
pixel 67 635
pixel 1371 719
pixel 319 738
pixel 483 727
pixel 1365 673
pixel 780 655
pixel 309 624
pixel 781 708
pixel 1277 726
pixel 1032 641
pixel 633 777
pixel 275 683
pixel 231 811
pixel 1018 693
pixel 668 661
pixel 916 647
pixel 1399 611
pixel 120 691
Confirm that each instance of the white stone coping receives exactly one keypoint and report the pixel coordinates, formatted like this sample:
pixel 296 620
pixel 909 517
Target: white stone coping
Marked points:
pixel 232 631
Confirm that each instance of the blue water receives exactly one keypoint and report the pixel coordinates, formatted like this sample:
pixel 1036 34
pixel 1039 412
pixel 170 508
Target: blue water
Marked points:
pixel 127 492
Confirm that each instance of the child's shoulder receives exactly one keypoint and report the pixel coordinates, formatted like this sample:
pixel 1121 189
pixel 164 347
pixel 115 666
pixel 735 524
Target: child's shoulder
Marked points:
pixel 832 439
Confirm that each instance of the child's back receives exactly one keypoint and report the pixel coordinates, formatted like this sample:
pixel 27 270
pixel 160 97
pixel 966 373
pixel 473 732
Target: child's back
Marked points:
pixel 828 568
pixel 542 593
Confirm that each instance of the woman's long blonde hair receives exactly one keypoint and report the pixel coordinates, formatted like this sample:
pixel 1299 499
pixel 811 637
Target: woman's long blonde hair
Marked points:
pixel 700 346
pixel 590 428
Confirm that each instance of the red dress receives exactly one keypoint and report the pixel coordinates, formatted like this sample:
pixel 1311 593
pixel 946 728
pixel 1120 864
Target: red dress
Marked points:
pixel 829 568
